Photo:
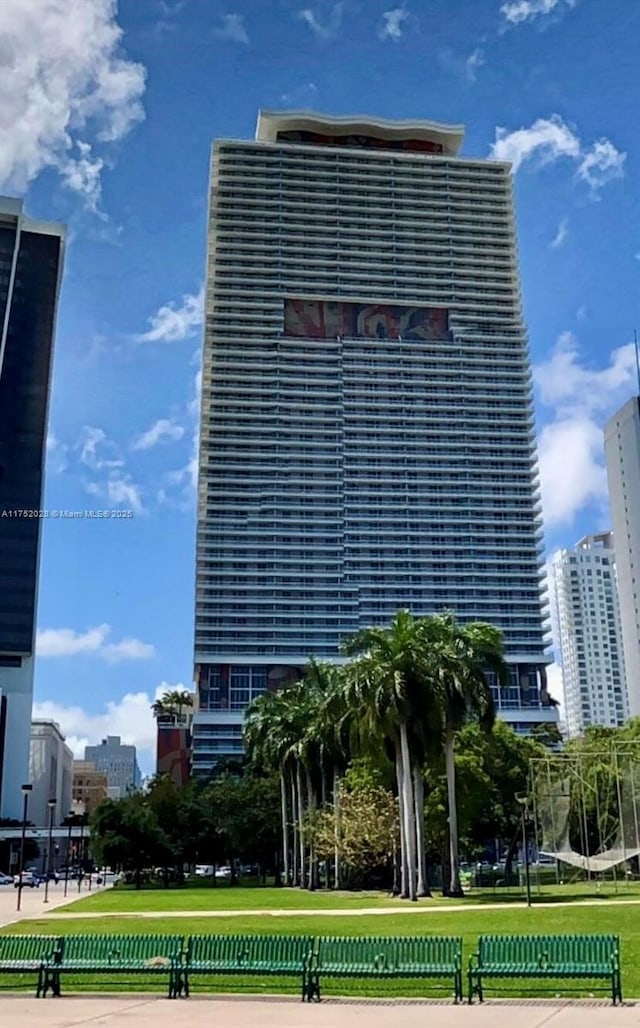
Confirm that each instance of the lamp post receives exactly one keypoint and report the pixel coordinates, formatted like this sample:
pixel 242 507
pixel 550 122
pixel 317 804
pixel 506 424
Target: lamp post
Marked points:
pixel 26 789
pixel 71 819
pixel 523 800
pixel 80 853
pixel 52 806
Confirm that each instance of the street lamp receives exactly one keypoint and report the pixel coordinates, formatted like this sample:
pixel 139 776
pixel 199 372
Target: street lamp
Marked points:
pixel 70 819
pixel 523 800
pixel 52 806
pixel 26 789
pixel 81 855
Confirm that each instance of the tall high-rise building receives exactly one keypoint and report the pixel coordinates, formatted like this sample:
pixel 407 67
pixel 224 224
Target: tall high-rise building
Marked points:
pixel 119 762
pixel 367 435
pixel 588 635
pixel 31 257
pixel 622 448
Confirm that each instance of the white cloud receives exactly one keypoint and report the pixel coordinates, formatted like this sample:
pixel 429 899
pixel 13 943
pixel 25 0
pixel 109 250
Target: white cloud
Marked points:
pixel 549 140
pixel 56 454
pixel 232 27
pixel 517 11
pixel 570 445
pixel 572 474
pixel 66 85
pixel 66 642
pixel 184 480
pixel 171 323
pixel 392 24
pixel 601 163
pixel 96 450
pixel 127 649
pixel 119 491
pixel 323 28
pixel 164 428
pixel 561 235
pixel 129 717
pixel 475 60
pixel 301 95
pixel 566 382
pixel 555 685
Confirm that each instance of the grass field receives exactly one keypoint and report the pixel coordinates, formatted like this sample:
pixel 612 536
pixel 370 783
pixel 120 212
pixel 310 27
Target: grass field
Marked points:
pixel 224 897
pixel 620 919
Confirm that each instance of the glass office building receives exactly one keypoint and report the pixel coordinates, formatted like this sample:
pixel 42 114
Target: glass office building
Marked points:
pixel 367 437
pixel 31 256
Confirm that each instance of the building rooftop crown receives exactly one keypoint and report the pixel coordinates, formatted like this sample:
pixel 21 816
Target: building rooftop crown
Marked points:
pixel 358 130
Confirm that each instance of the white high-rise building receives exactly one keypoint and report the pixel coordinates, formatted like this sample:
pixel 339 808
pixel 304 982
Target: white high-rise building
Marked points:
pixel 50 773
pixel 367 437
pixel 588 634
pixel 622 448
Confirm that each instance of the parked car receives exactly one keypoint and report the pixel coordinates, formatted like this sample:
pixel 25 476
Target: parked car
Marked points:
pixel 5 879
pixel 29 880
pixel 204 870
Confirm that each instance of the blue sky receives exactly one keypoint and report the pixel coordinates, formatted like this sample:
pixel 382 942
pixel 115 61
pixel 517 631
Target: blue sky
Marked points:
pixel 107 113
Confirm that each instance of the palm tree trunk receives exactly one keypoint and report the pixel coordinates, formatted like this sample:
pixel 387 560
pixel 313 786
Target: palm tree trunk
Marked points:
pixel 294 818
pixel 336 822
pixel 300 823
pixel 455 889
pixel 285 827
pixel 311 806
pixel 404 863
pixel 409 809
pixel 418 792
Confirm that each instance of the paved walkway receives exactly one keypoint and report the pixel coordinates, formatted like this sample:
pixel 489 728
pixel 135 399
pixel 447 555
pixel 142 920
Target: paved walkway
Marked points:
pixel 201 1012
pixel 440 908
pixel 32 900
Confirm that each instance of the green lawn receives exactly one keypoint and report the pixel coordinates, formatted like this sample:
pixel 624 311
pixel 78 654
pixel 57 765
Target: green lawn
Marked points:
pixel 623 920
pixel 224 897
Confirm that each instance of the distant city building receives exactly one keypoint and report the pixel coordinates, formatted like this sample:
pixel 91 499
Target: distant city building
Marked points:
pixel 31 257
pixel 173 745
pixel 588 634
pixel 89 786
pixel 367 437
pixel 50 773
pixel 622 448
pixel 119 763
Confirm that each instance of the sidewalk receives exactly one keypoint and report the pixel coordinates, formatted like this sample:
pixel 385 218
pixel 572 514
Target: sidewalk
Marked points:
pixel 32 900
pixel 152 1012
pixel 454 908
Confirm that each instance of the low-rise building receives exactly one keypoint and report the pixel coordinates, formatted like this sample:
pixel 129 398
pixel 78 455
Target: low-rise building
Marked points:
pixel 89 786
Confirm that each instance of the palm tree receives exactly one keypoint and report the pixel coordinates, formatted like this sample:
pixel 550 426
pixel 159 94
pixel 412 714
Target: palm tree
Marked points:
pixel 270 734
pixel 392 682
pixel 172 701
pixel 467 656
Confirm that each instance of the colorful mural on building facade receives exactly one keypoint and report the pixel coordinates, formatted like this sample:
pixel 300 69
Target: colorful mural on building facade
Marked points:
pixel 327 319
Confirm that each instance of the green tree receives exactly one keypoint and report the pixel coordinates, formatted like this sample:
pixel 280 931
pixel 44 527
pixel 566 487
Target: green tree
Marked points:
pixel 126 833
pixel 392 688
pixel 466 655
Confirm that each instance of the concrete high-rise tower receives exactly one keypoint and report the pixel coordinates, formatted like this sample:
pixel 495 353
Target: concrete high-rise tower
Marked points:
pixel 31 255
pixel 622 448
pixel 367 438
pixel 588 634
